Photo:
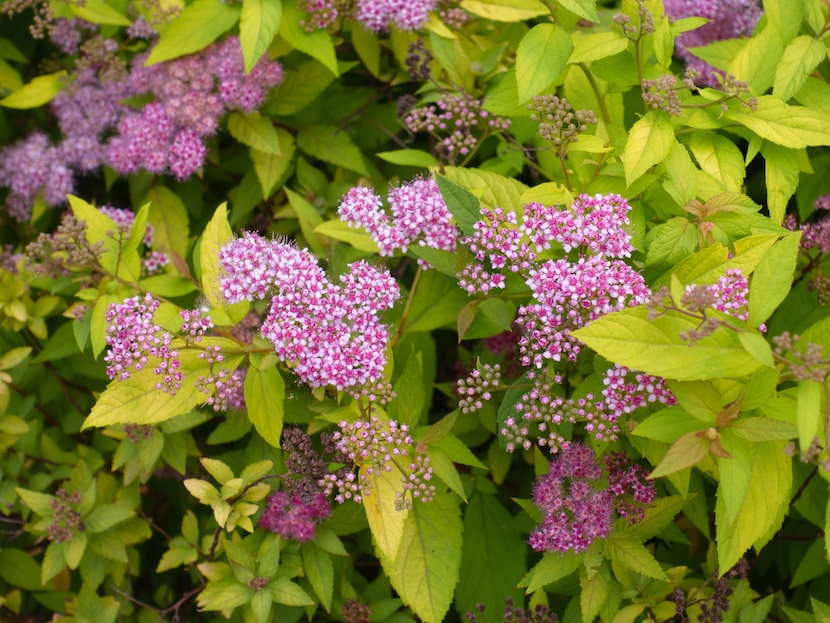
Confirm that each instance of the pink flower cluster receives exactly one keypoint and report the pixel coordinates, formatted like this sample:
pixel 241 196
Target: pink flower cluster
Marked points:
pixel 380 15
pixel 377 446
pixel 329 333
pixel 728 19
pixel 730 295
pixel 577 511
pixel 627 390
pixel 191 94
pixel 135 341
pixel 568 296
pixel 417 213
pixel 293 518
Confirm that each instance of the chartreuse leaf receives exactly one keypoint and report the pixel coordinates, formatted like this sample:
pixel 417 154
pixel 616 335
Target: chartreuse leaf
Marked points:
pixel 264 396
pixel 596 46
pixel 763 507
pixel 709 264
pixel 255 131
pixel 426 566
pixel 385 522
pixel 681 173
pixel 802 55
pixel 720 158
pixel 492 189
pixel 491 563
pixel 668 425
pixel 758 347
pixel 168 216
pixel 650 140
pixel 36 93
pixel 99 12
pixel 197 26
pixel 596 589
pixel 781 174
pixel 784 17
pixel 755 63
pixel 795 127
pixel 541 58
pixel 630 338
pixel 670 242
pixel 331 144
pixel 258 23
pixel 217 234
pixel 317 44
pixel 339 230
pixel 629 552
pixel 586 9
pixel 100 228
pixel 505 10
pixel 689 450
pixel 809 417
pixel 137 401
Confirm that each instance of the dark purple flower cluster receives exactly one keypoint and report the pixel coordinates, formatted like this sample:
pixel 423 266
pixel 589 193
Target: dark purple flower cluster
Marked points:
pixel 293 518
pixel 329 333
pixel 728 19
pixel 577 511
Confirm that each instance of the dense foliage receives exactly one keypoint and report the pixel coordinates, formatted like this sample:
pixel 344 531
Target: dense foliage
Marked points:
pixel 412 310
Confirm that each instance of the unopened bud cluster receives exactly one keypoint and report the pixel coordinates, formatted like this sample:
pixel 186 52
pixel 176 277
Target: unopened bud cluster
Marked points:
pixel 474 390
pixel 559 124
pixel 805 362
pixel 66 520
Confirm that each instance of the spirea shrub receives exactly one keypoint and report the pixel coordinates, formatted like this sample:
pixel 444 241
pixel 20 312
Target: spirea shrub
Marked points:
pixel 351 310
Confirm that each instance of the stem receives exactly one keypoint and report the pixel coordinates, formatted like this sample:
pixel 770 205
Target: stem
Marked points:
pixel 407 306
pixel 603 109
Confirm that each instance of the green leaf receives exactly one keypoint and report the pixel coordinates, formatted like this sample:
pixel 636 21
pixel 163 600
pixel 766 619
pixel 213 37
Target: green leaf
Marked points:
pixel 386 523
pixel 445 469
pixel 258 23
pixel 630 553
pixel 264 397
pixel 331 144
pixel 426 566
pixel 74 549
pixel 758 347
pixel 802 55
pixel 505 10
pixel 286 592
pixel 491 560
pixel 808 413
pixel 300 87
pixel 461 203
pixel 541 59
pixel 255 131
pixel 709 264
pixel 668 425
pixel 338 230
pixel 38 503
pixel 217 234
pixel 409 157
pixel 689 450
pixel 102 229
pixel 167 285
pixel 630 338
pixel 762 429
pixel 437 303
pixel 367 46
pixel 137 401
pixel 781 175
pixel 105 516
pixel 319 570
pixel 659 514
pixel 492 189
pixel 180 553
pixel 720 158
pixel 269 168
pixel 197 26
pixel 596 590
pixel 168 216
pixel 553 566
pixel 586 9
pixel 682 175
pixel 36 93
pixel 670 242
pixel 18 568
pixel 53 561
pixel 11 358
pixel 763 508
pixel 317 44
pixel 99 12
pixel 795 127
pixel 596 46
pixel 410 396
pixel 224 594
pixel 650 140
pixel 755 63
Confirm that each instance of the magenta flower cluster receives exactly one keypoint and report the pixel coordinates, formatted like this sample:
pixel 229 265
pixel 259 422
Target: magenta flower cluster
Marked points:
pixel 628 390
pixel 728 19
pixel 379 446
pixel 380 15
pixel 135 341
pixel 417 213
pixel 576 510
pixel 330 334
pixel 291 517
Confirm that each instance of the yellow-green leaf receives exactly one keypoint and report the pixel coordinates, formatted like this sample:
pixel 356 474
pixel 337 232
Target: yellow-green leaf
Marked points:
pixel 258 23
pixel 338 230
pixel 333 145
pixel 505 10
pixel 649 141
pixel 800 58
pixel 386 523
pixel 541 58
pixel 36 93
pixel 198 25
pixel 317 44
pixel 217 234
pixel 264 396
pixel 593 47
pixel 168 216
pixel 789 126
pixel 99 12
pixel 255 131
pixel 684 453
